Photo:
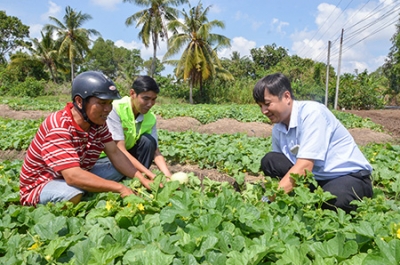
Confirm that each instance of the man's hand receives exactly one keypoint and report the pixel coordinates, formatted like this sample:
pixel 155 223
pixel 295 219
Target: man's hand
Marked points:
pixel 301 167
pixel 146 182
pixel 125 191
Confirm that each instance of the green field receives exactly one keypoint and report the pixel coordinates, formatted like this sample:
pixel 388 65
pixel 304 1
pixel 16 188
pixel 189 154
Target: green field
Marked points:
pixel 204 222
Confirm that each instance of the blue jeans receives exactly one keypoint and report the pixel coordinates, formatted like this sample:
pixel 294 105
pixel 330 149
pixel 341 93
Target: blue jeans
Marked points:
pixel 58 190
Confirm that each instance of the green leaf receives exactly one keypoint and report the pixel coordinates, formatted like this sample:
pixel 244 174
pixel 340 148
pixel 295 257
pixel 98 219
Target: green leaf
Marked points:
pixel 180 206
pixel 51 228
pixel 365 229
pixel 148 254
pixel 81 252
pixel 57 246
pixel 206 245
pixel 250 255
pixel 106 254
pixel 337 247
pixel 389 252
pixel 294 255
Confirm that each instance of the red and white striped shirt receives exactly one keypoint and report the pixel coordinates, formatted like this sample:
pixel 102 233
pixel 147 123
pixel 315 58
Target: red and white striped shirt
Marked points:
pixel 60 143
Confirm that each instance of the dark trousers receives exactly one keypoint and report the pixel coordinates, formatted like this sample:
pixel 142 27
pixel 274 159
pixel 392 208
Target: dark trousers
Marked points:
pixel 346 188
pixel 144 150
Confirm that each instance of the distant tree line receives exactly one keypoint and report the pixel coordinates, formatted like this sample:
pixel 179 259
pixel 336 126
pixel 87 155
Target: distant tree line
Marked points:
pixel 33 67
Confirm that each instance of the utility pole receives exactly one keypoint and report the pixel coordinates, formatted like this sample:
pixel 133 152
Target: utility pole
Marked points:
pixel 338 72
pixel 327 74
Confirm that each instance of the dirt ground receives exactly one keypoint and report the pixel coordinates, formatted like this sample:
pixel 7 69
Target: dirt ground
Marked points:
pixel 388 118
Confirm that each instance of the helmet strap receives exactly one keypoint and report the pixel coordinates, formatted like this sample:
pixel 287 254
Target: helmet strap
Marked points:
pixel 83 111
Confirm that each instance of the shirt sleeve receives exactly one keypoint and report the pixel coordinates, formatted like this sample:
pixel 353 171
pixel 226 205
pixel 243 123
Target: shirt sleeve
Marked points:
pixel 115 126
pixel 154 133
pixel 275 140
pixel 315 130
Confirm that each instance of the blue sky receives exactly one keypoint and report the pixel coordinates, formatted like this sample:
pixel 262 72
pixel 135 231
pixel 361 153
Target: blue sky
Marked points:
pixel 303 27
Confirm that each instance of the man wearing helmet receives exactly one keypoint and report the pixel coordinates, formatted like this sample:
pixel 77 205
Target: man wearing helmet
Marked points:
pixel 59 162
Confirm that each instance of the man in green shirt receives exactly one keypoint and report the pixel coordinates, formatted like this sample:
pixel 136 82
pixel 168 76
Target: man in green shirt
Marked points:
pixel 133 127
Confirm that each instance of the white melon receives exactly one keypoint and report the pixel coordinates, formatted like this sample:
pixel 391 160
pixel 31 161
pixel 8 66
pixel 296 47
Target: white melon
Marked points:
pixel 182 177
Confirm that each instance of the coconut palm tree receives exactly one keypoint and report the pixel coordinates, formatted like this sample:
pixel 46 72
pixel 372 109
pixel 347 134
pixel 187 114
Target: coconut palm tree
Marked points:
pixel 199 60
pixel 153 20
pixel 74 40
pixel 46 51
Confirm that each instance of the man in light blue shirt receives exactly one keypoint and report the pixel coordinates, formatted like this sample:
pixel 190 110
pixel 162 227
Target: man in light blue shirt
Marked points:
pixel 308 137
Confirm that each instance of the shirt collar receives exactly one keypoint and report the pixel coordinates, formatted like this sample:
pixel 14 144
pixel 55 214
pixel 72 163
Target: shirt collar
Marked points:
pixel 293 119
pixel 294 115
pixel 140 118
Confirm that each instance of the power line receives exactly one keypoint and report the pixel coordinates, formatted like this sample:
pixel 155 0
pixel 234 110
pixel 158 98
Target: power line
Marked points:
pixel 344 25
pixel 373 33
pixel 356 32
pixel 326 20
pixel 374 22
pixel 370 14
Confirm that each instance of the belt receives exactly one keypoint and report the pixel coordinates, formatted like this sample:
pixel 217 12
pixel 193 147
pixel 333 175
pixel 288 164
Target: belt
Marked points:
pixel 361 174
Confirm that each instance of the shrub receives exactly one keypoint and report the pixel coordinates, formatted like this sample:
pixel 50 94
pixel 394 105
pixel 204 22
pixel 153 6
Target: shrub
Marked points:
pixel 29 88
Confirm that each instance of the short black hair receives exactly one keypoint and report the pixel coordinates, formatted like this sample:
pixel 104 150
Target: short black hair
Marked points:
pixel 145 83
pixel 277 84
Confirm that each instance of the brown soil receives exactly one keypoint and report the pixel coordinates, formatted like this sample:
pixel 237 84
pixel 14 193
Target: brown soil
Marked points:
pixel 388 118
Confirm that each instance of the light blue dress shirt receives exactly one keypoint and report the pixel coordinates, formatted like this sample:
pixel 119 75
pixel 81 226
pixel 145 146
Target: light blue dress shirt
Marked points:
pixel 315 133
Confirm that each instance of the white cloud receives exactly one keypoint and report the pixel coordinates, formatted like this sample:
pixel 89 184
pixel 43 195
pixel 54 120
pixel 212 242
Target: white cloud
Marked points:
pixel 277 26
pixel 366 30
pixel 216 9
pixel 239 44
pixel 239 15
pixel 245 18
pixel 353 67
pixel 53 11
pixel 378 61
pixel 34 31
pixel 145 53
pixel 129 45
pixel 108 4
pixel 256 24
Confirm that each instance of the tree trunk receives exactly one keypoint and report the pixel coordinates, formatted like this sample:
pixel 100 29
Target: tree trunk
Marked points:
pixel 72 70
pixel 52 74
pixel 201 86
pixel 191 92
pixel 153 63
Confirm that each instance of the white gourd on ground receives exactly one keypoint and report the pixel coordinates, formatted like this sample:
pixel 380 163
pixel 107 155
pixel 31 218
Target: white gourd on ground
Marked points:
pixel 182 177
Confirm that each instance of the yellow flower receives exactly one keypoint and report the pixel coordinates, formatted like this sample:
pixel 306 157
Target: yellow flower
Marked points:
pixel 398 233
pixel 108 205
pixel 140 207
pixel 35 246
